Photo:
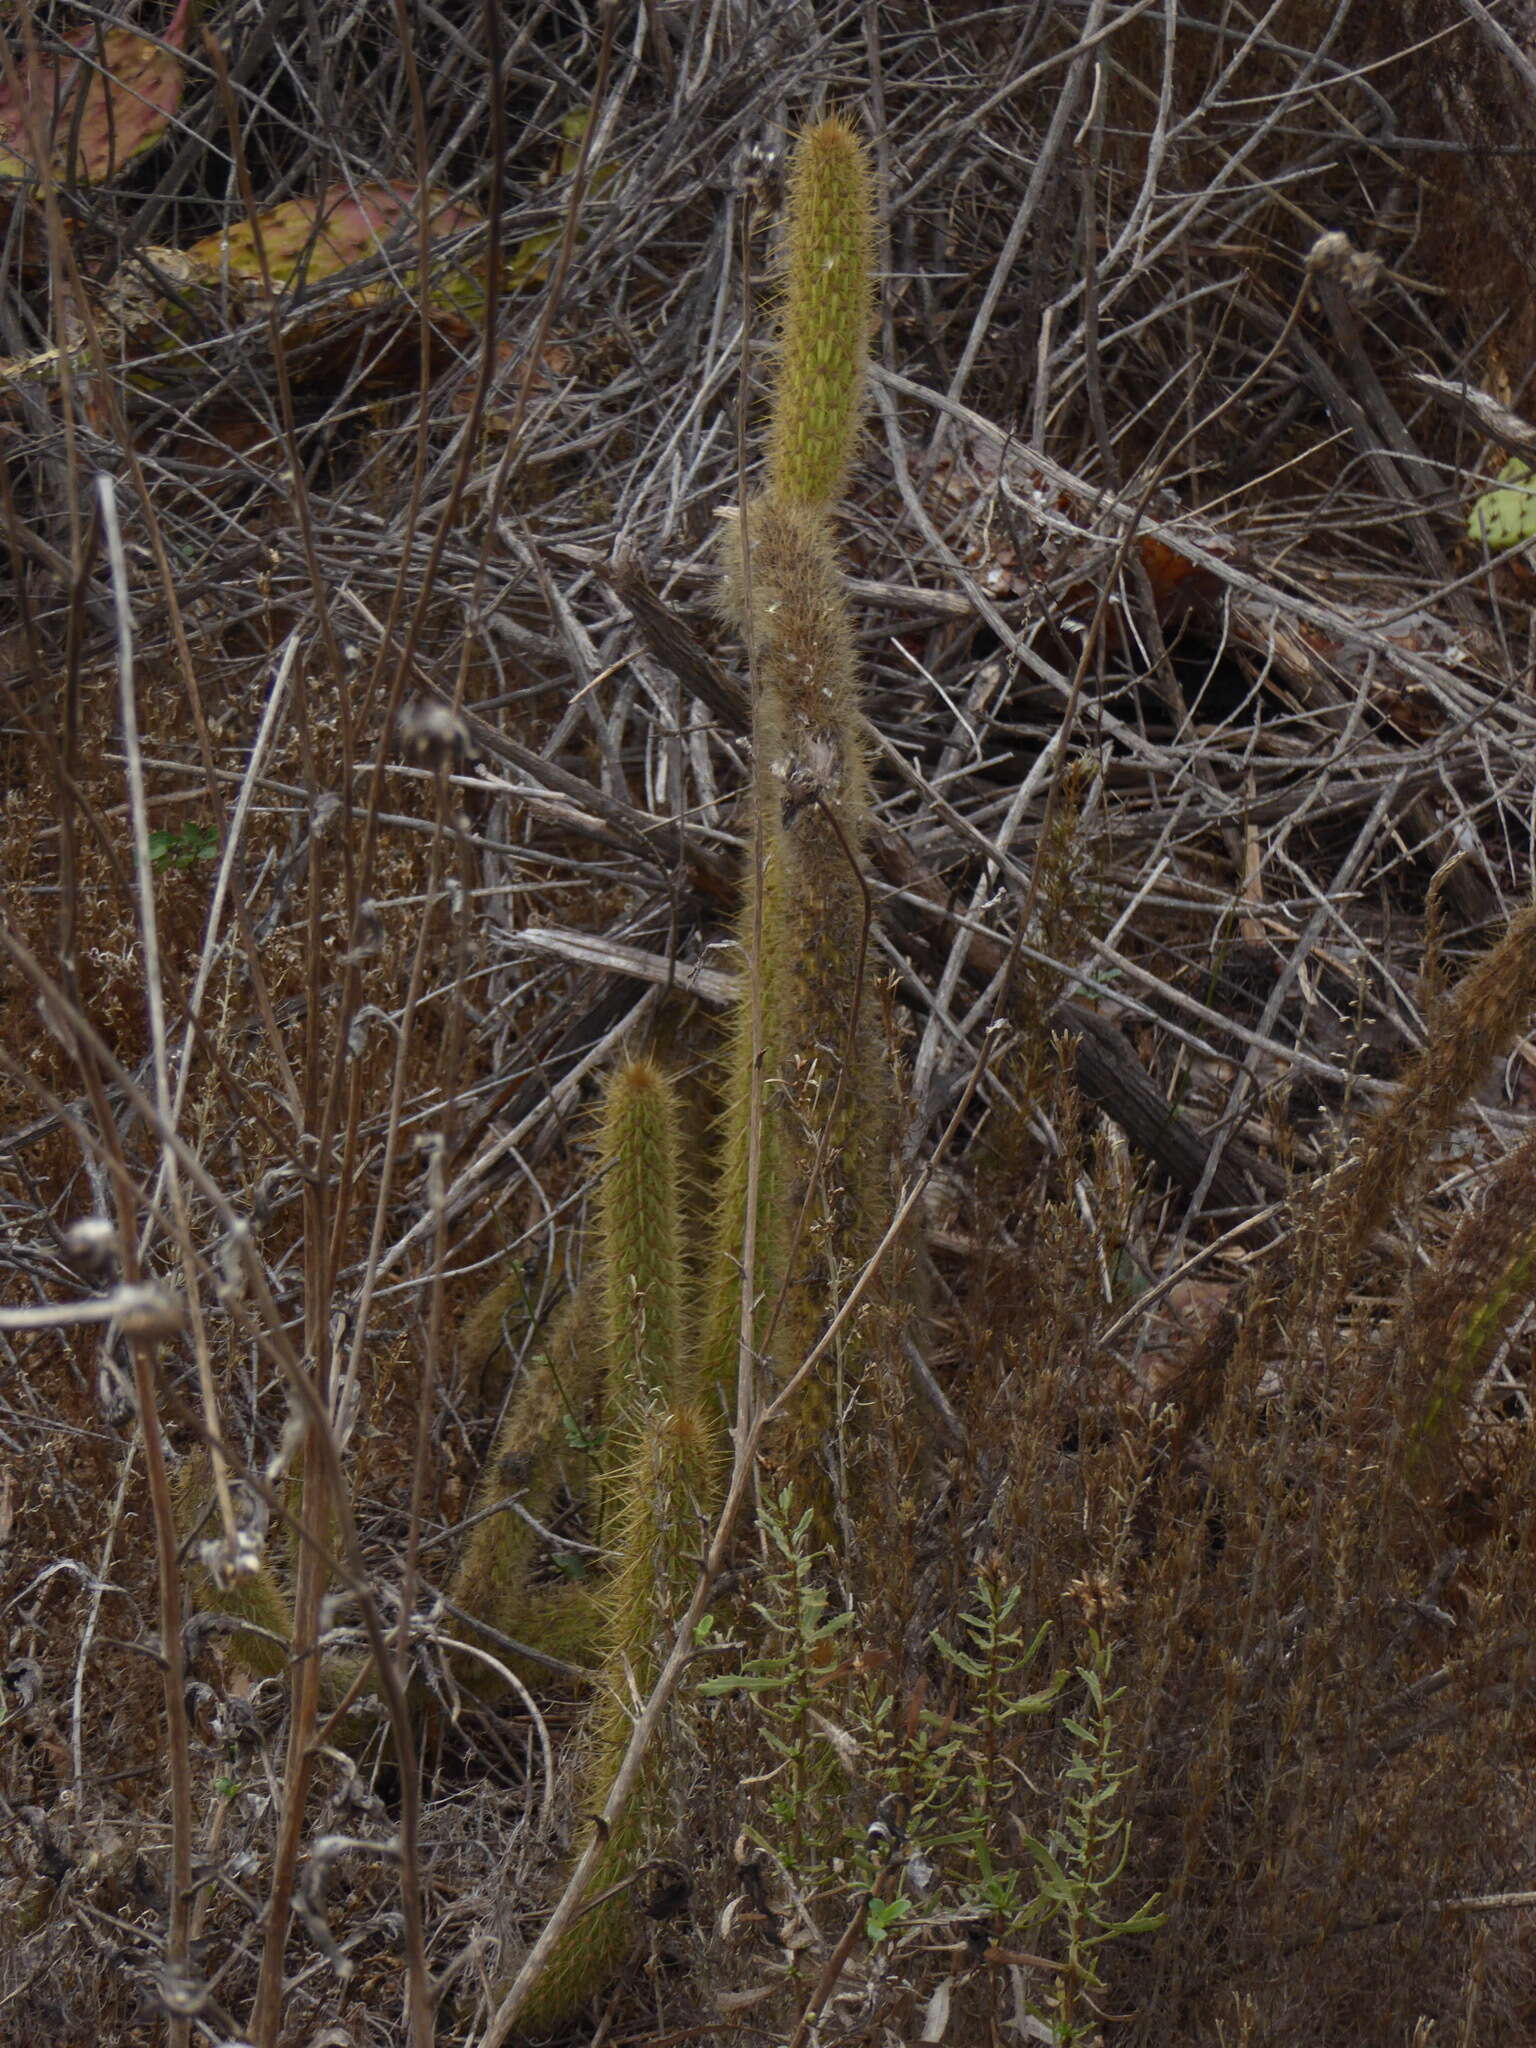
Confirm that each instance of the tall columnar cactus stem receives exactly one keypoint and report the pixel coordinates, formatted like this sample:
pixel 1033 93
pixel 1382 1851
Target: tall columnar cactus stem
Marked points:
pixel 829 1093
pixel 829 269
pixel 826 1123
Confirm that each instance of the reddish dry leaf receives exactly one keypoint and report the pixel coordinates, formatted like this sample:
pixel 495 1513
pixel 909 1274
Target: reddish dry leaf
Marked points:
pixel 308 240
pixel 96 110
pixel 1177 582
pixel 1183 1311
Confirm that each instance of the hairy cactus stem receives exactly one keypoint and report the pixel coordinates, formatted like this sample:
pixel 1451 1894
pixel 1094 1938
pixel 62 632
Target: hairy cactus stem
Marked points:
pixel 665 1493
pixel 646 1341
pixel 828 306
pixel 826 1108
pixel 659 1484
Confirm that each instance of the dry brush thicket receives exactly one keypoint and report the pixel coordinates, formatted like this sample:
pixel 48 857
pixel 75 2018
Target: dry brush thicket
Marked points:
pixel 374 765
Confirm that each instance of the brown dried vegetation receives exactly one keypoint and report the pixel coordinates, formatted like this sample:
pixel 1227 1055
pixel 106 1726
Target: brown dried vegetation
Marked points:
pixel 1215 1341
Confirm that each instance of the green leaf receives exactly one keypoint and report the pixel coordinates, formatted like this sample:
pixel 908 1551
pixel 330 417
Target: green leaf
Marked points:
pixel 184 847
pixel 1038 1702
pixel 744 1681
pixel 1141 1922
pixel 1054 1881
pixel 881 1915
pixel 1107 1791
pixel 971 1666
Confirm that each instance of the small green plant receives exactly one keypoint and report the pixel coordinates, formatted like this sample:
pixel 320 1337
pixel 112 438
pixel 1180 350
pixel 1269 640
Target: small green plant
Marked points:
pixel 800 1635
pixel 967 1782
pixel 883 1916
pixel 970 1777
pixel 1078 1866
pixel 183 847
pixel 957 1778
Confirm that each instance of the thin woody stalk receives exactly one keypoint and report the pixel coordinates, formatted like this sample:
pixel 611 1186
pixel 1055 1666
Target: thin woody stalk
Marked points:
pixel 1457 1311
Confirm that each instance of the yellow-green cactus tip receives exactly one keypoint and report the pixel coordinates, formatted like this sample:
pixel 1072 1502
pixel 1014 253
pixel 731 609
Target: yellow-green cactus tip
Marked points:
pixel 829 272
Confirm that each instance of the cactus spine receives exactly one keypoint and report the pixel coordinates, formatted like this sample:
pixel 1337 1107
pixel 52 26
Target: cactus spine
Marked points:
pixel 639 1232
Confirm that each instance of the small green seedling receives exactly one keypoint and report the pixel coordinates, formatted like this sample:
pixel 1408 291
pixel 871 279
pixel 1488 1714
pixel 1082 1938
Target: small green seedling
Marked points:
pixel 881 1916
pixel 184 847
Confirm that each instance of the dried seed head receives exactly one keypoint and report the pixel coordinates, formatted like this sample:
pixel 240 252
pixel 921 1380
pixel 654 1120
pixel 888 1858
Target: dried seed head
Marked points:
pixel 90 1245
pixel 1335 255
pixel 437 736
pixel 150 1312
pixel 1098 1597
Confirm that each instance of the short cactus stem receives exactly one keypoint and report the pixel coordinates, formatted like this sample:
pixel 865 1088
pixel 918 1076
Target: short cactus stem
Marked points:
pixel 664 1496
pixel 254 1597
pixel 639 1230
pixel 538 1450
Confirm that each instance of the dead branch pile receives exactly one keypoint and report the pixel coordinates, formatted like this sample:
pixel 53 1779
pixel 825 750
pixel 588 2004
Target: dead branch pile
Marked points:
pixel 370 637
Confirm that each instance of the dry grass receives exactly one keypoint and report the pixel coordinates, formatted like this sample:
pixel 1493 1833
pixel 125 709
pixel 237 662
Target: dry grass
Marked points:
pixel 1143 488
